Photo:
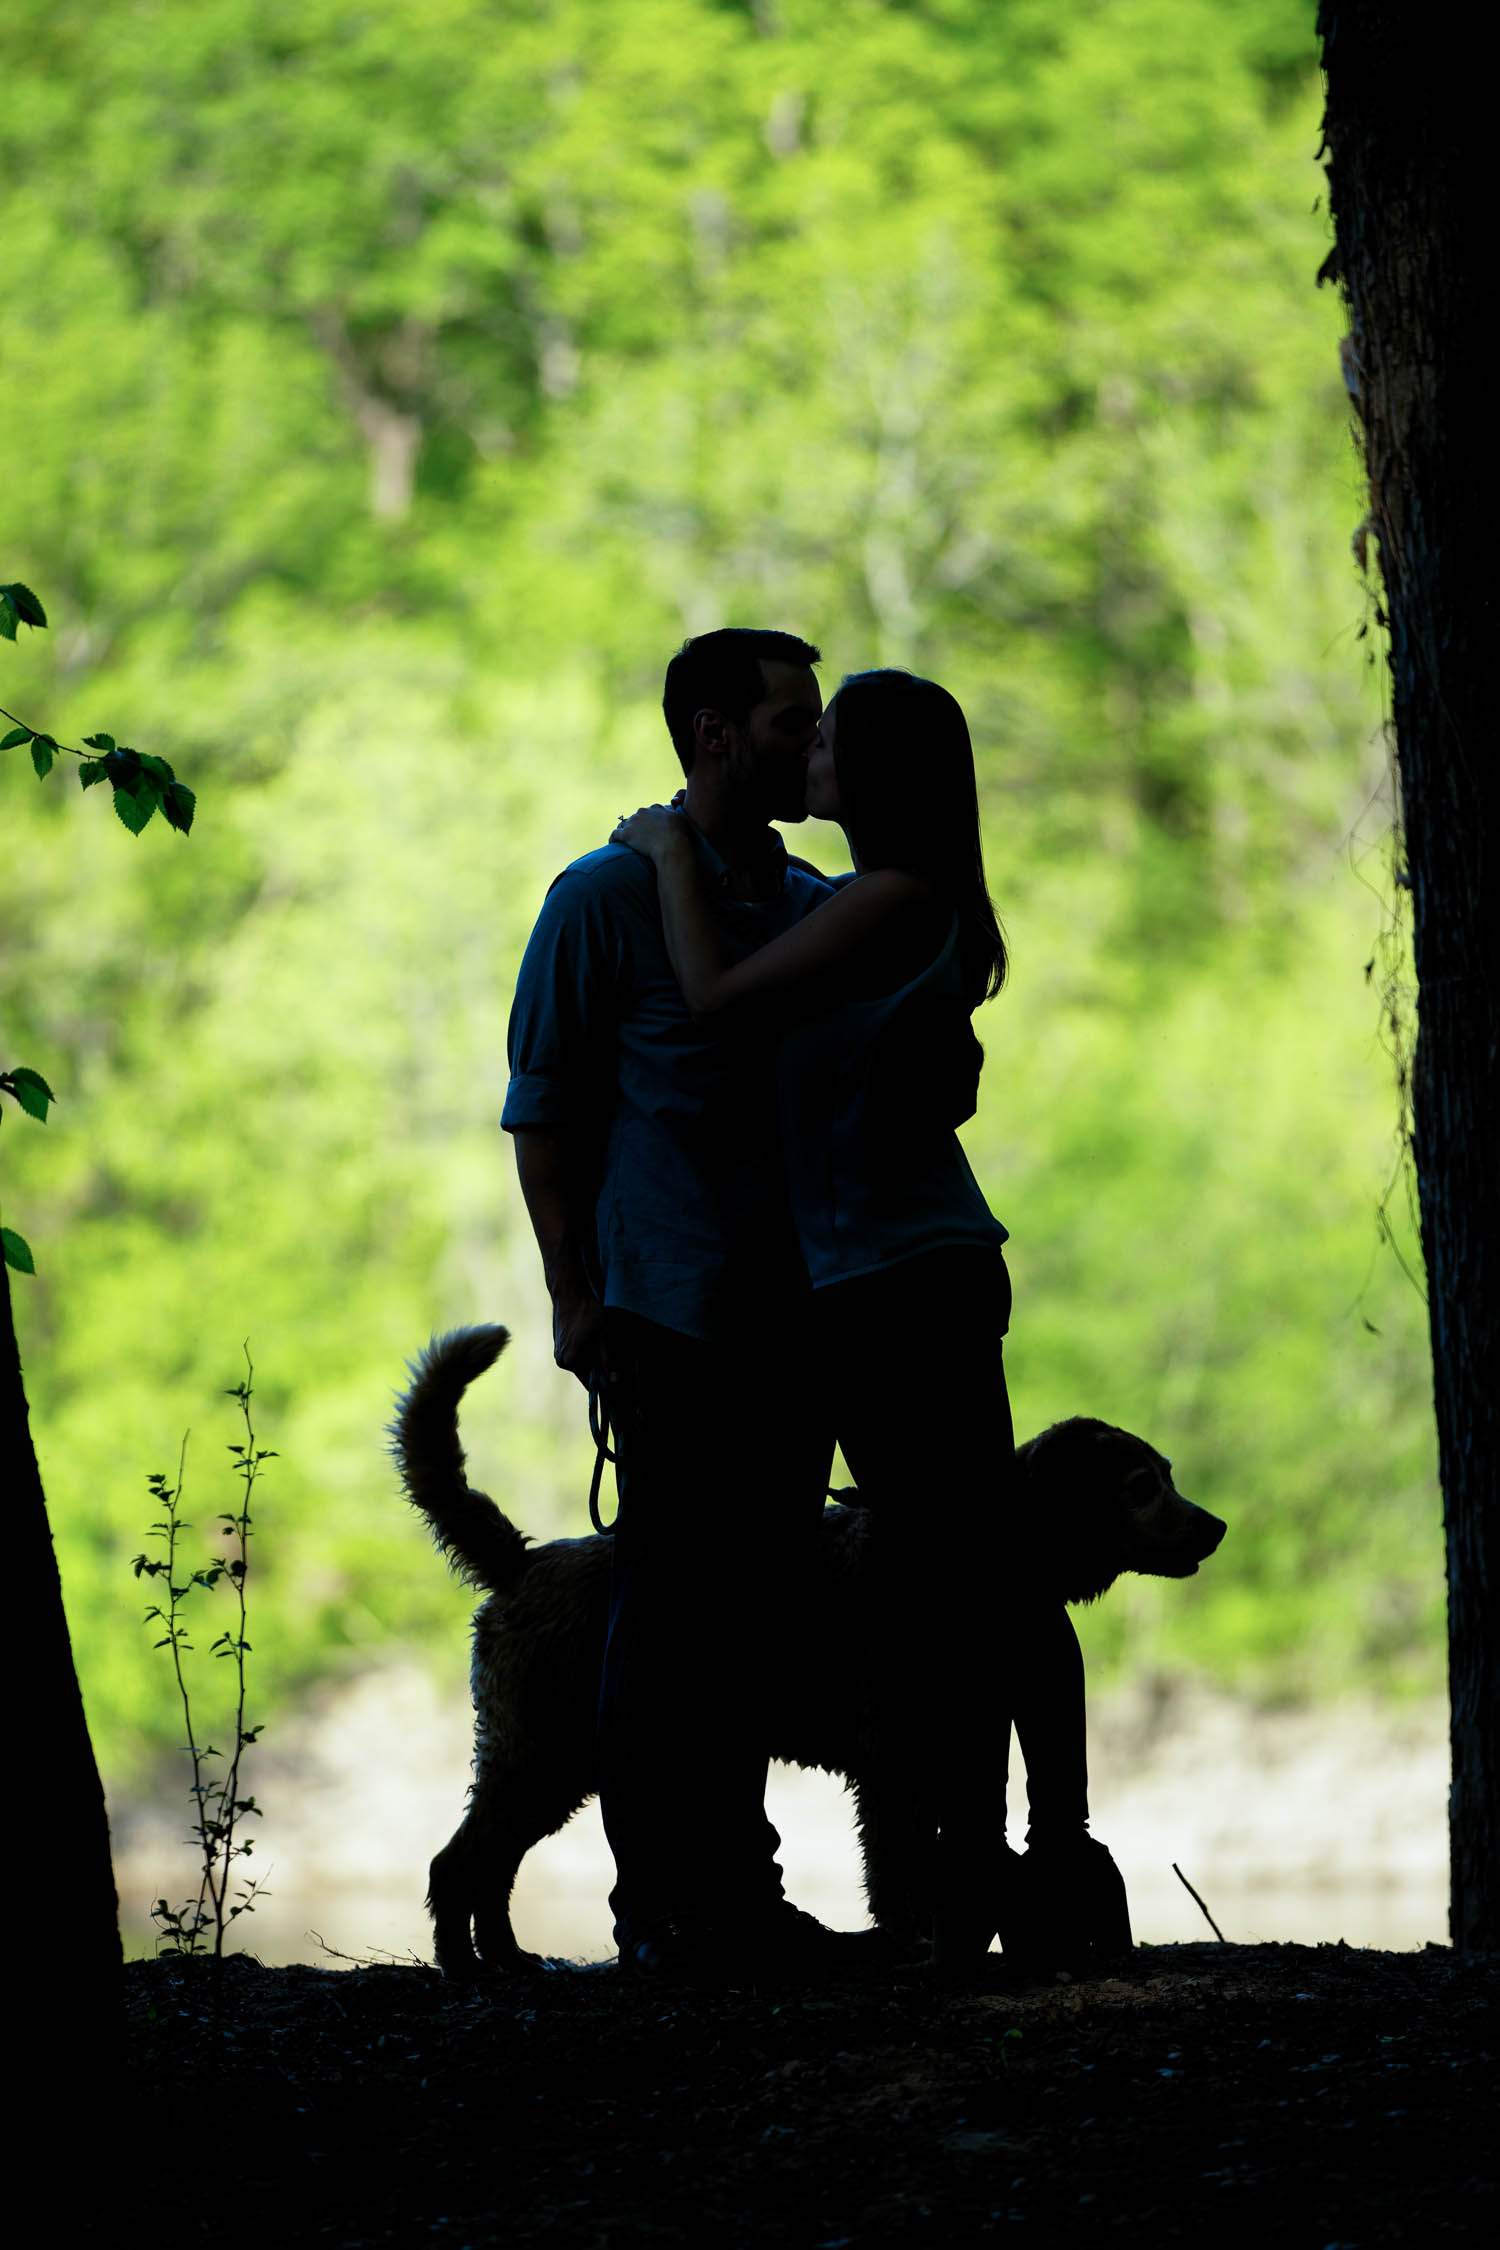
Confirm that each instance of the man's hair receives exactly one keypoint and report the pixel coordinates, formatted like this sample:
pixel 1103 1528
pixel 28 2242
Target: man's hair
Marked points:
pixel 722 672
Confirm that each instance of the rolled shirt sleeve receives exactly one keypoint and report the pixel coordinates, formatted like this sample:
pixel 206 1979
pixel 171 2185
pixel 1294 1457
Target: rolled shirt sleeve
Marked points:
pixel 562 1023
pixel 671 1126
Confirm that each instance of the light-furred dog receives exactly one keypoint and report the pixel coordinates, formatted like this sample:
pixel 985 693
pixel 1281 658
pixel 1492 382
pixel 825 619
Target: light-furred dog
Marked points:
pixel 1095 1502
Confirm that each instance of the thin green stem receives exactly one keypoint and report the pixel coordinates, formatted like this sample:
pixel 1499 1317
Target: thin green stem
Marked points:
pixel 174 1643
pixel 249 1470
pixel 52 741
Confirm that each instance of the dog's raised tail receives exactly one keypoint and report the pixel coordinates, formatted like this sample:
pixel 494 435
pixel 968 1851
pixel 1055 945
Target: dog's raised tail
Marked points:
pixel 482 1545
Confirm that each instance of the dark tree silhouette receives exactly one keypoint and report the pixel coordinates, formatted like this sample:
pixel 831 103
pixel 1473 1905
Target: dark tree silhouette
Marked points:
pixel 71 1965
pixel 1400 129
pixel 73 1928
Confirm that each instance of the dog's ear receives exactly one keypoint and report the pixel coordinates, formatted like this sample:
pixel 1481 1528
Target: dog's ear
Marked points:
pixel 1064 1447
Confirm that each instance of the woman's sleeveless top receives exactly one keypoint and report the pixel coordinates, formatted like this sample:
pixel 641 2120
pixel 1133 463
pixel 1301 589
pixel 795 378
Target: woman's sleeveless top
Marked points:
pixel 869 1096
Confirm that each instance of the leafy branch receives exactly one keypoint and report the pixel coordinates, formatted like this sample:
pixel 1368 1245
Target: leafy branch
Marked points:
pixel 142 785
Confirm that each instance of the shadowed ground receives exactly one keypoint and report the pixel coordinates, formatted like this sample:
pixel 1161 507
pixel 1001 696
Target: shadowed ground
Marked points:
pixel 1205 2092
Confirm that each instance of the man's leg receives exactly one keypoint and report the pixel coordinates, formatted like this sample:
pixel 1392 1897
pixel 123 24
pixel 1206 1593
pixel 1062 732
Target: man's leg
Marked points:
pixel 781 1431
pixel 708 1493
pixel 651 1691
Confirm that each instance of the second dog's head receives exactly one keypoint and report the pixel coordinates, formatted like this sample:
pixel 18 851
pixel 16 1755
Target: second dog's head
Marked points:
pixel 1096 1501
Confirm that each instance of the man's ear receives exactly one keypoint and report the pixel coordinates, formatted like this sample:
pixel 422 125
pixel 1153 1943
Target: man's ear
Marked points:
pixel 710 732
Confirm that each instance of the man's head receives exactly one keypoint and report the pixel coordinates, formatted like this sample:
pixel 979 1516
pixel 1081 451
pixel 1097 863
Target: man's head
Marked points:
pixel 742 708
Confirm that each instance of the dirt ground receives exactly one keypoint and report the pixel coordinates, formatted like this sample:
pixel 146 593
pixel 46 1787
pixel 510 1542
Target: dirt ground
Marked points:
pixel 1327 2096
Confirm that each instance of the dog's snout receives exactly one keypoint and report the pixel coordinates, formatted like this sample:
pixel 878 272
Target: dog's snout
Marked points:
pixel 1207 1530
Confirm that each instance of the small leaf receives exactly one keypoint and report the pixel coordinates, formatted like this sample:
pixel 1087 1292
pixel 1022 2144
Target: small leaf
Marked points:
pixel 179 805
pixel 43 750
pixel 92 770
pixel 25 604
pixel 17 1251
pixel 31 1091
pixel 17 734
pixel 134 811
pixel 99 741
pixel 157 768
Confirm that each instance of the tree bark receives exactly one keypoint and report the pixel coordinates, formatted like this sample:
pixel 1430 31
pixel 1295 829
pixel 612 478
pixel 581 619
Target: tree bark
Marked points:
pixel 69 1949
pixel 1402 131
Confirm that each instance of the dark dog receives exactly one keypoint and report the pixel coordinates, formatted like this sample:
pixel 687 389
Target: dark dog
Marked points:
pixel 1097 1502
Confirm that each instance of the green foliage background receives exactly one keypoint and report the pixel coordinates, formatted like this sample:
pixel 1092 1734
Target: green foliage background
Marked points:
pixel 391 390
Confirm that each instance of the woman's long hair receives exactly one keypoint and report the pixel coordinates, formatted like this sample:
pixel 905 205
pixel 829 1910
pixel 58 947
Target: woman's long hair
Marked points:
pixel 907 792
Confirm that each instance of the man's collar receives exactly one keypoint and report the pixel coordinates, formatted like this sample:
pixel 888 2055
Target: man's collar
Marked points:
pixel 765 863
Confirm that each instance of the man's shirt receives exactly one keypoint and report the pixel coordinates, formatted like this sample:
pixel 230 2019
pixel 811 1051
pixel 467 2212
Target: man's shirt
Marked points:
pixel 676 1122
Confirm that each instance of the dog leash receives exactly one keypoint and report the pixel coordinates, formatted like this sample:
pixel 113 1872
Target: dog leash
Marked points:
pixel 599 1432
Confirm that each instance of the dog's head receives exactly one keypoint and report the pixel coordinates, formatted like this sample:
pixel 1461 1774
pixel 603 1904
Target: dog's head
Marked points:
pixel 1097 1501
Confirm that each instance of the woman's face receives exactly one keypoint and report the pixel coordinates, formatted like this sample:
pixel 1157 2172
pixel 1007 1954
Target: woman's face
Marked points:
pixel 822 779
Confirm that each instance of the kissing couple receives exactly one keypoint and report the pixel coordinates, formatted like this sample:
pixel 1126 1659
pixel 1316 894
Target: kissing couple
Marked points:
pixel 734 1088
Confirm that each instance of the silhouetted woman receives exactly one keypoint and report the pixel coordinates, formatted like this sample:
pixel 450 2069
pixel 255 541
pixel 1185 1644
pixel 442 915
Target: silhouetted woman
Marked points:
pixel 877 1064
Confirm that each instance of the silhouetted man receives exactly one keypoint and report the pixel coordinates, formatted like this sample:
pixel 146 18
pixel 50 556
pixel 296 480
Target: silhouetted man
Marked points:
pixel 648 1158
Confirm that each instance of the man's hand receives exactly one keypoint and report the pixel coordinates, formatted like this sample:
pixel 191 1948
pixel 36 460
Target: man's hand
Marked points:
pixel 578 1334
pixel 554 1197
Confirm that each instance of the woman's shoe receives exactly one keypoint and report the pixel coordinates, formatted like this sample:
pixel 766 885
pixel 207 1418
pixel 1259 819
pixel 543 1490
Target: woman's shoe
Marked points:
pixel 1073 1911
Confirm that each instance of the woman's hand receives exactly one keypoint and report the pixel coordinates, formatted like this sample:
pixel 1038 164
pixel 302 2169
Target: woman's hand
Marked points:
pixel 656 831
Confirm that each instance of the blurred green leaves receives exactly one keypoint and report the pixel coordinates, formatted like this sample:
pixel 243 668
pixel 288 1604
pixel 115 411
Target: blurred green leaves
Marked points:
pixel 403 386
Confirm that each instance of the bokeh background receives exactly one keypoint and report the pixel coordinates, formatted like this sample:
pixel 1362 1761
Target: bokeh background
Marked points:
pixel 391 388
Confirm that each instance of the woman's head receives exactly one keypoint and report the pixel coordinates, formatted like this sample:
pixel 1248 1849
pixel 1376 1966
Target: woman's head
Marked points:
pixel 894 764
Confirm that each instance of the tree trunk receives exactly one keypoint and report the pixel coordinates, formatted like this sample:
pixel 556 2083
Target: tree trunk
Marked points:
pixel 1402 141
pixel 68 1948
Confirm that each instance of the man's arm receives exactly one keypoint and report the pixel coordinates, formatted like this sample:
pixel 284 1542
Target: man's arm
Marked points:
pixel 803 970
pixel 557 1201
pixel 562 1060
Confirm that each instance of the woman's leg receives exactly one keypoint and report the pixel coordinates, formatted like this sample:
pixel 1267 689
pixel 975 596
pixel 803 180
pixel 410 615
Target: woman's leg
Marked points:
pixel 914 1357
